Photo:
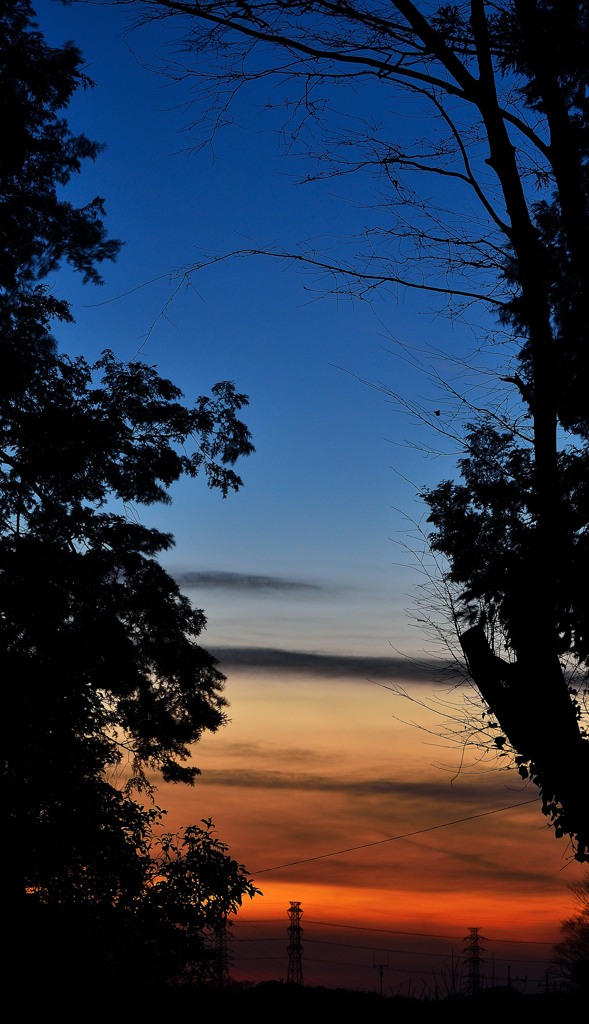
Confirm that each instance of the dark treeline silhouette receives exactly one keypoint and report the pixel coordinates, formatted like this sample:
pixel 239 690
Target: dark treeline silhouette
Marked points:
pixel 275 1000
pixel 103 678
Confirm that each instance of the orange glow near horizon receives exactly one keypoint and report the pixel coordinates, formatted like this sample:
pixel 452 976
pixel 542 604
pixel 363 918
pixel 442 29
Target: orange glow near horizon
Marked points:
pixel 416 911
pixel 328 799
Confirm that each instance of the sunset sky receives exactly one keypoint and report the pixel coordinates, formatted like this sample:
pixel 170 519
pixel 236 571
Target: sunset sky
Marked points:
pixel 342 779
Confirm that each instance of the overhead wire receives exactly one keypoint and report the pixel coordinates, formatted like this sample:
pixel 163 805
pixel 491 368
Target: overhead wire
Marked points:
pixel 380 842
pixel 391 839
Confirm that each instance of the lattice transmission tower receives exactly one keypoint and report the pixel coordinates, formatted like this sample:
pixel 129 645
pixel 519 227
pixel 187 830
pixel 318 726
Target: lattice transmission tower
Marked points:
pixel 474 961
pixel 295 949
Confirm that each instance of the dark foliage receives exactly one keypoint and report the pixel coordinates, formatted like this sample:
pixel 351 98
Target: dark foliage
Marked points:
pixel 514 529
pixel 162 926
pixel 571 954
pixel 103 678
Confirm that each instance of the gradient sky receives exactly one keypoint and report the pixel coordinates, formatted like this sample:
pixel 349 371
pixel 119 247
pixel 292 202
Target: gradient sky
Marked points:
pixel 342 779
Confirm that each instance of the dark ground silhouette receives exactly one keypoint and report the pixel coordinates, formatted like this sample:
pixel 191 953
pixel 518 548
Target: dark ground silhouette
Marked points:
pixel 277 1001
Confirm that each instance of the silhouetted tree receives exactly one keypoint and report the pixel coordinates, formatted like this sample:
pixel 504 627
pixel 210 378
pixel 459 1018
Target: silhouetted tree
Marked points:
pixel 196 888
pixel 503 221
pixel 41 229
pixel 571 954
pixel 102 672
pixel 168 924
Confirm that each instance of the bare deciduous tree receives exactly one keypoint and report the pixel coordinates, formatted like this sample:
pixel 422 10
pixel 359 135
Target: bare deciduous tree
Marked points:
pixel 484 203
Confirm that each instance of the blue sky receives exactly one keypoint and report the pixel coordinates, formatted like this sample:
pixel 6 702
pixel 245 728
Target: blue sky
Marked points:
pixel 315 555
pixel 326 494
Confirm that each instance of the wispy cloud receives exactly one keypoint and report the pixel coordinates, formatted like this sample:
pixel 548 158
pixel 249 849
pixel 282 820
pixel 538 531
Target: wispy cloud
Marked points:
pixel 448 800
pixel 386 809
pixel 332 666
pixel 212 580
pixel 269 753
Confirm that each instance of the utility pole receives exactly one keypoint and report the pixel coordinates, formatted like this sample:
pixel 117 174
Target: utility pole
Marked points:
pixel 295 950
pixel 221 967
pixel 511 980
pixel 381 967
pixel 453 976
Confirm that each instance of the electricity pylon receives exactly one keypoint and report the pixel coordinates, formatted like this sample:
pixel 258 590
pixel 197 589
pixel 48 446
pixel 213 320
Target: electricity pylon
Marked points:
pixel 295 950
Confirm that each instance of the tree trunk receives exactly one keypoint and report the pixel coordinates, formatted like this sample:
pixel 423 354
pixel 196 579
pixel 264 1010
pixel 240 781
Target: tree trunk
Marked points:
pixel 545 735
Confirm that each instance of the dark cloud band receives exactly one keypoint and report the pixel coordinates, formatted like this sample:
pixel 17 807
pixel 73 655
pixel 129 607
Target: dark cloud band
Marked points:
pixel 242 581
pixel 394 670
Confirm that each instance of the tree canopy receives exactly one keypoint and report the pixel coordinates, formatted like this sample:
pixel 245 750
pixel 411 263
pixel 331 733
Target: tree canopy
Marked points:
pixel 571 954
pixel 101 665
pixel 484 204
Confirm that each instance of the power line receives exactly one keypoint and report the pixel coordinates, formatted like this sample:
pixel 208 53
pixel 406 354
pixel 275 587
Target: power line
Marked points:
pixel 366 928
pixel 391 839
pixel 421 935
pixel 414 952
pixel 345 957
pixel 236 941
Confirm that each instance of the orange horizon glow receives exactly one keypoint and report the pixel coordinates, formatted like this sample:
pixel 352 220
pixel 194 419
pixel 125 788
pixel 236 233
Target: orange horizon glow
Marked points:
pixel 328 799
